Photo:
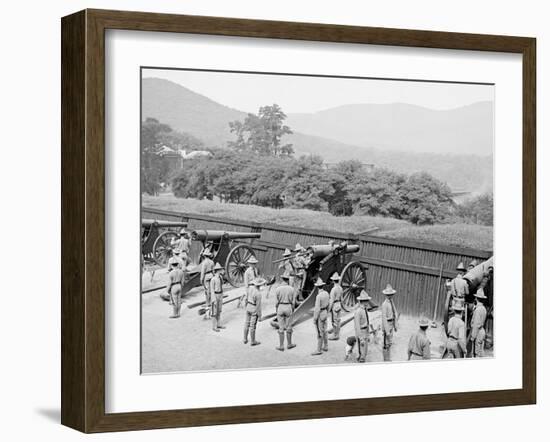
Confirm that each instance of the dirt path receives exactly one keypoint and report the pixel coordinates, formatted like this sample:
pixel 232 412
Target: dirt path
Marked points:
pixel 188 343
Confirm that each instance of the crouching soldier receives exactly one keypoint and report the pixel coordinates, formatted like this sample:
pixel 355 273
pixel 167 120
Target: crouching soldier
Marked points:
pixel 362 324
pixel 253 311
pixel 216 291
pixel 456 334
pixel 320 316
pixel 419 344
pixel 285 299
pixel 389 321
pixel 175 282
pixel 335 306
pixel 477 325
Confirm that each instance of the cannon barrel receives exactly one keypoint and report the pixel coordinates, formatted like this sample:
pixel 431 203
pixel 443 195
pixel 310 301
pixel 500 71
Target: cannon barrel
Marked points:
pixel 153 222
pixel 475 276
pixel 215 235
pixel 320 251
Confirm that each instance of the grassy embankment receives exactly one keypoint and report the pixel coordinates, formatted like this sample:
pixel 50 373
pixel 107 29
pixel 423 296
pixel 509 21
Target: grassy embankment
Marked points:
pixel 459 235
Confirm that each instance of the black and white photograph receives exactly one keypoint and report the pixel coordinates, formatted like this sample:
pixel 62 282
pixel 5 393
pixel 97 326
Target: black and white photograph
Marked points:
pixel 293 220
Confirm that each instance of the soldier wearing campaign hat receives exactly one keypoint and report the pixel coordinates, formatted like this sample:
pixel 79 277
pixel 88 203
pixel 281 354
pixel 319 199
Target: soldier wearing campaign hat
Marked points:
pixel 174 287
pixel 207 272
pixel 389 321
pixel 320 316
pixel 253 311
pixel 287 266
pixel 456 333
pixel 335 306
pixel 477 325
pixel 216 291
pixel 285 300
pixel 419 344
pixel 250 274
pixel 362 324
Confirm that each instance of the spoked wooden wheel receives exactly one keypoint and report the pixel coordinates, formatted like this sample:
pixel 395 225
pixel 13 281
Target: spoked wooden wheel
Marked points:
pixel 354 279
pixel 162 248
pixel 236 264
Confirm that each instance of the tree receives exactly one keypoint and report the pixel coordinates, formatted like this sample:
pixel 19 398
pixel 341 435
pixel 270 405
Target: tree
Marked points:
pixel 262 134
pixel 477 210
pixel 151 164
pixel 426 199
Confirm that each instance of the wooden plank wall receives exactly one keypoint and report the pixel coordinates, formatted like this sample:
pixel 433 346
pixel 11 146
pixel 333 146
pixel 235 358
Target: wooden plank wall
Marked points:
pixel 412 268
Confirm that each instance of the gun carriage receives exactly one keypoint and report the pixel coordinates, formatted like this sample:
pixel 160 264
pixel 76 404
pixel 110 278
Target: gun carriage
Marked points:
pixel 156 240
pixel 225 249
pixel 322 261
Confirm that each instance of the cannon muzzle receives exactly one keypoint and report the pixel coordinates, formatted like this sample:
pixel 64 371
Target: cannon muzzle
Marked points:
pixel 145 222
pixel 475 276
pixel 321 251
pixel 216 235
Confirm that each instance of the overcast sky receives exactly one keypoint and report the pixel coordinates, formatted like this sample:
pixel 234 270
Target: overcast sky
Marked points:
pixel 247 92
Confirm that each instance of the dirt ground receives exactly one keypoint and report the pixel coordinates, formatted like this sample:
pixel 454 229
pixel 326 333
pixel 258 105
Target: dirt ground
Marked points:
pixel 189 343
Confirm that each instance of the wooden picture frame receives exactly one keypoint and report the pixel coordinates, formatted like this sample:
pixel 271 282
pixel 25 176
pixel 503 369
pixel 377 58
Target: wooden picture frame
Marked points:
pixel 83 220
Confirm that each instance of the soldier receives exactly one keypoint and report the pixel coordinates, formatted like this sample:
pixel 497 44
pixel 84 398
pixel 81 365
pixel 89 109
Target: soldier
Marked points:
pixel 287 266
pixel 335 306
pixel 477 325
pixel 389 321
pixel 207 268
pixel 216 290
pixel 177 256
pixel 459 286
pixel 419 344
pixel 253 311
pixel 320 316
pixel 456 334
pixel 183 243
pixel 299 264
pixel 362 324
pixel 285 299
pixel 175 278
pixel 250 274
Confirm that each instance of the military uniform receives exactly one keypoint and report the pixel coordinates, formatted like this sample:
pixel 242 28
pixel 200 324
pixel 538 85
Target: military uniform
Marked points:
pixel 207 268
pixel 250 274
pixel 335 309
pixel 456 337
pixel 175 283
pixel 184 245
pixel 253 311
pixel 477 333
pixel 285 299
pixel 299 265
pixel 288 270
pixel 389 322
pixel 320 316
pixel 216 290
pixel 419 346
pixel 362 324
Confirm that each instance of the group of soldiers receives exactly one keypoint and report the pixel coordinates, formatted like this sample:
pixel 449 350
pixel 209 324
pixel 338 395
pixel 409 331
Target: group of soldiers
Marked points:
pixel 458 344
pixel 328 307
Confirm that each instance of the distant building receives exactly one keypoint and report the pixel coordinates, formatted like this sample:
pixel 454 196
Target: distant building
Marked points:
pixel 368 167
pixel 173 159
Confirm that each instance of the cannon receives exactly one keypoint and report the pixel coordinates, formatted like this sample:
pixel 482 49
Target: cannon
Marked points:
pixel 225 250
pixel 322 261
pixel 156 239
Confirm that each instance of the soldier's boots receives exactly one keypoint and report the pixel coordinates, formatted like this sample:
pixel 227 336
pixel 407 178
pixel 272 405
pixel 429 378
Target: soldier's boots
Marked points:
pixel 175 312
pixel 215 324
pixel 319 350
pixel 290 345
pixel 245 337
pixel 253 338
pixel 325 343
pixel 281 346
pixel 386 354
